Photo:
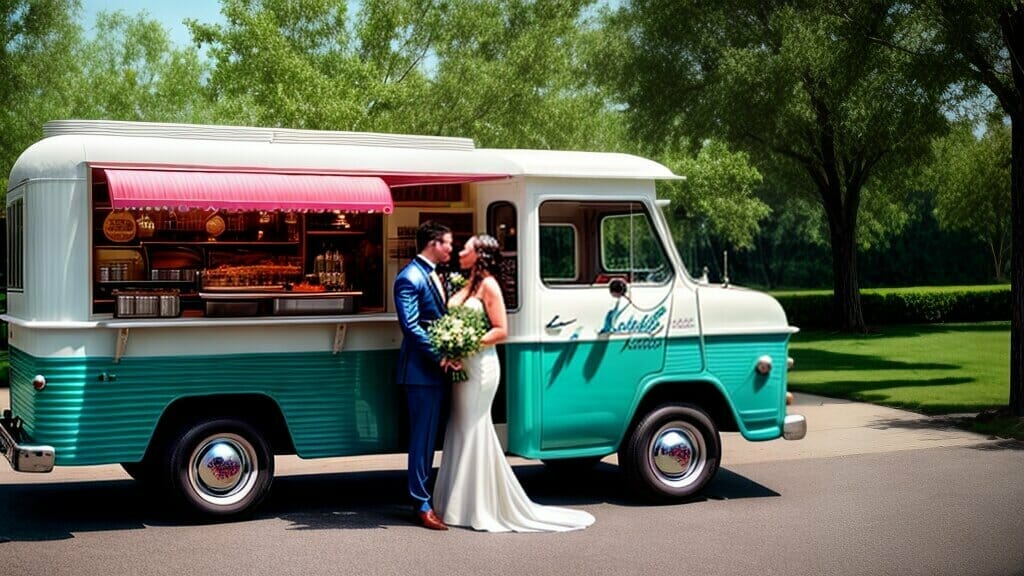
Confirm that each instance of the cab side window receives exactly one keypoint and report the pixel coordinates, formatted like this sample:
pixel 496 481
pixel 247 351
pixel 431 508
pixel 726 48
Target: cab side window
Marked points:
pixel 559 253
pixel 590 243
pixel 629 247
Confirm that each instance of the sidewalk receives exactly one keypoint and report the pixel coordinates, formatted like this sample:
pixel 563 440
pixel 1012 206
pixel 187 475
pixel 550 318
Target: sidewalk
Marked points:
pixel 842 428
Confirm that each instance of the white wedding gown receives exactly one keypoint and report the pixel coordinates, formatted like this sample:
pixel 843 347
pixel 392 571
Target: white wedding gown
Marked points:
pixel 475 485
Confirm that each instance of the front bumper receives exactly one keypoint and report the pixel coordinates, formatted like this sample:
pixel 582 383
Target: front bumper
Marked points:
pixel 23 457
pixel 794 427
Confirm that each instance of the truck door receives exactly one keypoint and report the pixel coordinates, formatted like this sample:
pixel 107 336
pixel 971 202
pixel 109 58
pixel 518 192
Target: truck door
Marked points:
pixel 596 346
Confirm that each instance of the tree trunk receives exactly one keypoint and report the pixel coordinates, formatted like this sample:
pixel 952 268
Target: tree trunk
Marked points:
pixel 1012 24
pixel 998 249
pixel 847 313
pixel 1017 268
pixel 841 211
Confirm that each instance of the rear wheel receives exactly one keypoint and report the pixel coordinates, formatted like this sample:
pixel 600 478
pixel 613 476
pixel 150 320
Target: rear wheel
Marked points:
pixel 672 453
pixel 220 467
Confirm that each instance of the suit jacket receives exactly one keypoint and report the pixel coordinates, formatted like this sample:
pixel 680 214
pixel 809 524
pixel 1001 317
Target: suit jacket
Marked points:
pixel 418 303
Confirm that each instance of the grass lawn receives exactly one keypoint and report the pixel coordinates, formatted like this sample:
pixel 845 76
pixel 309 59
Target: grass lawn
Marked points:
pixel 929 368
pixel 911 289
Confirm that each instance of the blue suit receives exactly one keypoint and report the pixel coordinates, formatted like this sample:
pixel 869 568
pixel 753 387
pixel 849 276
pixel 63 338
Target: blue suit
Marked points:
pixel 418 303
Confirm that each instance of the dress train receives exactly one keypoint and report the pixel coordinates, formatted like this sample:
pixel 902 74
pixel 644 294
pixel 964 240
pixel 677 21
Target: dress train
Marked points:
pixel 476 486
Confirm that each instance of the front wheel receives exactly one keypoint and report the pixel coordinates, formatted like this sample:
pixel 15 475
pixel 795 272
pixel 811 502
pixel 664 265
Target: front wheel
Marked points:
pixel 672 453
pixel 220 467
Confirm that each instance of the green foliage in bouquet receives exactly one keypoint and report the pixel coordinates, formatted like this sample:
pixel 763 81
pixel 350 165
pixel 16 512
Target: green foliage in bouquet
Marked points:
pixel 457 335
pixel 457 281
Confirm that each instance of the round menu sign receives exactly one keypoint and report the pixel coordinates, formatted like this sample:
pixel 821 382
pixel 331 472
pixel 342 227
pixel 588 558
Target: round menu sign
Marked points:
pixel 215 225
pixel 119 226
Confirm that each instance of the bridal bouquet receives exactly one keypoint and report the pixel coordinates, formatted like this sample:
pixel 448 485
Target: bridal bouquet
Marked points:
pixel 457 335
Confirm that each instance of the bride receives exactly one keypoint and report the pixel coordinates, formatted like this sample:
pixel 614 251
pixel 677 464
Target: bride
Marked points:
pixel 475 485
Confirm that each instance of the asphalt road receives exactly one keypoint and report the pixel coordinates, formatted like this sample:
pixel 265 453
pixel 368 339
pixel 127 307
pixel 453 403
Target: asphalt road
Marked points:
pixel 869 491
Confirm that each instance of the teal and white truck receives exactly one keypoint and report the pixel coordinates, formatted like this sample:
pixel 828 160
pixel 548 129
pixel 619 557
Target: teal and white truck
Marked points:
pixel 189 301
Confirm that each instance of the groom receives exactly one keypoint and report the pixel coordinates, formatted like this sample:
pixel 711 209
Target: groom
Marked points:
pixel 420 299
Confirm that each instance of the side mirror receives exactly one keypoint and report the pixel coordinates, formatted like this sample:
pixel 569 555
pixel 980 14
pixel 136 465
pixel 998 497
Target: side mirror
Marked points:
pixel 618 287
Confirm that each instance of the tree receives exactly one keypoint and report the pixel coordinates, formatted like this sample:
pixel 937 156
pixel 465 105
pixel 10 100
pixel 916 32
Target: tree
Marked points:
pixel 37 41
pixel 131 71
pixel 717 199
pixel 981 43
pixel 971 177
pixel 509 73
pixel 285 63
pixel 501 72
pixel 793 84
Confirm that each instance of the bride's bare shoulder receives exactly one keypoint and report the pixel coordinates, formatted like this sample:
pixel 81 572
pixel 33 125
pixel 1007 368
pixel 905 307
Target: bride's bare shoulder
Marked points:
pixel 490 290
pixel 491 284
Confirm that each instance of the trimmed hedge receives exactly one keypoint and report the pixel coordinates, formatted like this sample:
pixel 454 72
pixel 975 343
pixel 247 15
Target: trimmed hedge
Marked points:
pixel 922 305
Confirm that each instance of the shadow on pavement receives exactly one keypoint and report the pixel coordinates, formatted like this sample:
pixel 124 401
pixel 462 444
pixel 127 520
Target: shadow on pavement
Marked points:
pixel 375 500
pixel 347 501
pixel 950 423
pixel 1002 444
pixel 32 512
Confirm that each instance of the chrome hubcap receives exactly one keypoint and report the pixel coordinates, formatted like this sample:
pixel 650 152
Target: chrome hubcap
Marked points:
pixel 222 469
pixel 678 454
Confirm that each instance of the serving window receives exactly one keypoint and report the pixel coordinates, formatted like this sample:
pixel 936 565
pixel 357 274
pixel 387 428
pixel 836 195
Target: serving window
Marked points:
pixel 207 245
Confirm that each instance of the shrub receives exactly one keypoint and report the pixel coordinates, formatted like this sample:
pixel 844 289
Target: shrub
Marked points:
pixel 922 305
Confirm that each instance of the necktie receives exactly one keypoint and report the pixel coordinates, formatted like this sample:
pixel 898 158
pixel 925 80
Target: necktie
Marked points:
pixel 439 285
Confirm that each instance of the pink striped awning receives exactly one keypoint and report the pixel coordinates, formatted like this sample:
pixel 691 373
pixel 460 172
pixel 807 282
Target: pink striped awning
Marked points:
pixel 246 191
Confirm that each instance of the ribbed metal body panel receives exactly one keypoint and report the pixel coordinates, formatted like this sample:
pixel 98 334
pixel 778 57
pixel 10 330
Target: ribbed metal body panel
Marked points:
pixel 333 405
pixel 93 411
pixel 56 252
pixel 682 356
pixel 759 400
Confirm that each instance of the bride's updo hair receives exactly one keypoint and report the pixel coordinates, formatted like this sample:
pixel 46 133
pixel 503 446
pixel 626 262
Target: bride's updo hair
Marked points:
pixel 488 260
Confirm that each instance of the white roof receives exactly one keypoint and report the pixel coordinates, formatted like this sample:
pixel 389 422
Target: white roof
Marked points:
pixel 561 163
pixel 69 143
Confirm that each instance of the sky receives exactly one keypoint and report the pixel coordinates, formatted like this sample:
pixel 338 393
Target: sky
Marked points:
pixel 170 13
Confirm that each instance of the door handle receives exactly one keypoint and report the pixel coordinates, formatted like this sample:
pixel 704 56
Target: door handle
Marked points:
pixel 554 323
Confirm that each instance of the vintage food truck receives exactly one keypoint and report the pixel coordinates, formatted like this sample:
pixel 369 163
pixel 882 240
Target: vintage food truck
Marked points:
pixel 189 301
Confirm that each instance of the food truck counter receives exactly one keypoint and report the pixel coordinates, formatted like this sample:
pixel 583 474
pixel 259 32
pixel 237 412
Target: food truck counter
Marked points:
pixel 277 302
pixel 191 322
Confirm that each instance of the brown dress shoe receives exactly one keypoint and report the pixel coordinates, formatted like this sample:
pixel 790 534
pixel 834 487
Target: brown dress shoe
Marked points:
pixel 430 520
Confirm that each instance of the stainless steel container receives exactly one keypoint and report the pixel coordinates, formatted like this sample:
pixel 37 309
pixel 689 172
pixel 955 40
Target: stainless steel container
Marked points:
pixel 303 306
pixel 125 305
pixel 232 308
pixel 147 305
pixel 170 305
